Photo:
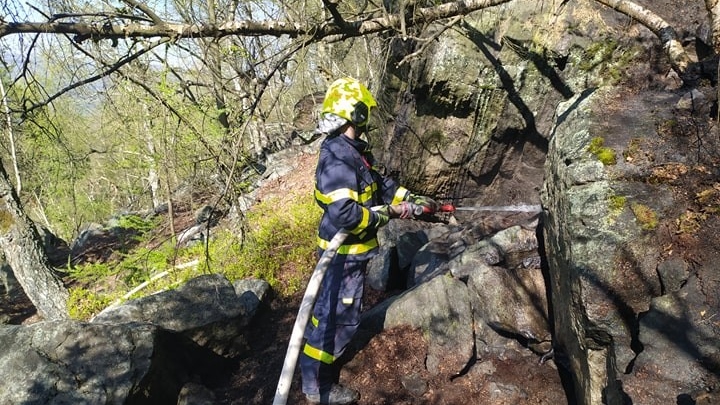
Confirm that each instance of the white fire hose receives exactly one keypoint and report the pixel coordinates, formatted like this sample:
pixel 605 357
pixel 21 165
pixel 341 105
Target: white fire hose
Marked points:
pixel 283 388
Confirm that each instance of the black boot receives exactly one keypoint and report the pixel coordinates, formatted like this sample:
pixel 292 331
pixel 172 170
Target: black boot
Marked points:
pixel 337 395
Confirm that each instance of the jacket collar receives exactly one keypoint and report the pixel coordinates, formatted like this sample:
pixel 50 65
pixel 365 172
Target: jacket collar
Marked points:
pixel 358 144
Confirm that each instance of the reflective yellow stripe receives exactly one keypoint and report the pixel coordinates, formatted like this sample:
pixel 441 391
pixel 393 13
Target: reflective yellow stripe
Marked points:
pixel 355 249
pixel 336 195
pixel 347 301
pixel 318 354
pixel 339 194
pixel 399 195
pixel 314 321
pixel 364 222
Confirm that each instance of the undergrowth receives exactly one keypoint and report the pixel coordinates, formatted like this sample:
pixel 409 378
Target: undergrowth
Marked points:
pixel 278 246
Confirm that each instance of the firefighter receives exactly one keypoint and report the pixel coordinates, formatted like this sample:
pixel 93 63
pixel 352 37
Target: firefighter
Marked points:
pixel 354 197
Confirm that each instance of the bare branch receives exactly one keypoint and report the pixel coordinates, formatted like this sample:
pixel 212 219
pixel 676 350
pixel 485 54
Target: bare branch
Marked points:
pixel 332 7
pixel 104 15
pixel 161 100
pixel 177 114
pixel 426 41
pixel 145 9
pixel 86 30
pixel 114 67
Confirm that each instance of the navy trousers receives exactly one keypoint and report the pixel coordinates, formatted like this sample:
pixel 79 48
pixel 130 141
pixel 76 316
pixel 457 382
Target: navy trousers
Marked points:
pixel 335 319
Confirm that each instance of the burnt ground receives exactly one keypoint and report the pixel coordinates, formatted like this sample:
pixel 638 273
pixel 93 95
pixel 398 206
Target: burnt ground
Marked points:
pixel 389 369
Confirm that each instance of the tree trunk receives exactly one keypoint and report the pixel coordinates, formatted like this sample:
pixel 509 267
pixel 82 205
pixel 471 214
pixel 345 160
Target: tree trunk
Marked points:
pixel 11 138
pixel 153 178
pixel 20 241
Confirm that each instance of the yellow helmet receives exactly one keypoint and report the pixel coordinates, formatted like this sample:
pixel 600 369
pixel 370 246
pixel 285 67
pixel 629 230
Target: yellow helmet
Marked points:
pixel 349 99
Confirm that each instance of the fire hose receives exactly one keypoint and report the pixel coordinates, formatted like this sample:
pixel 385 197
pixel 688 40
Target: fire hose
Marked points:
pixel 291 356
pixel 283 388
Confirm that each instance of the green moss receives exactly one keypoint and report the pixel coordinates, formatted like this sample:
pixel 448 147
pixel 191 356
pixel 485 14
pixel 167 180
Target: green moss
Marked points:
pixel 6 220
pixel 709 199
pixel 690 222
pixel 595 144
pixel 617 202
pixel 646 217
pixel 597 53
pixel 135 223
pixel 83 303
pixel 608 60
pixel 607 156
pixel 603 154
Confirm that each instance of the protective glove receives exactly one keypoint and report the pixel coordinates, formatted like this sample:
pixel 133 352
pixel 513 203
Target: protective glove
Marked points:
pixel 382 215
pixel 423 201
pixel 408 210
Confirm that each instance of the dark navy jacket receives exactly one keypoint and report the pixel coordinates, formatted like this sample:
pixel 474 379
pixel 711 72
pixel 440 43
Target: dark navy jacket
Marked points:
pixel 346 188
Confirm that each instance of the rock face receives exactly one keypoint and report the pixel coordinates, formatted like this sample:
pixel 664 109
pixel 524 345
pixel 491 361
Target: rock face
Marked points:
pixel 629 316
pixel 447 317
pixel 478 110
pixel 472 298
pixel 596 294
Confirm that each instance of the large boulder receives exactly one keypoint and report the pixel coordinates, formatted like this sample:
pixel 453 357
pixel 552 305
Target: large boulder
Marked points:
pixel 206 309
pixel 510 302
pixel 68 362
pixel 441 307
pixel 403 252
pixel 145 351
pixel 482 307
pixel 463 303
